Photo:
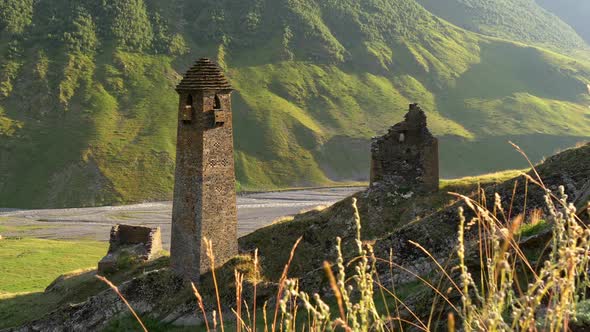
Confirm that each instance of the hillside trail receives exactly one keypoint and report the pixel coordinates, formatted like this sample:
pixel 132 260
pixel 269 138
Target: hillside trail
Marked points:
pixel 255 210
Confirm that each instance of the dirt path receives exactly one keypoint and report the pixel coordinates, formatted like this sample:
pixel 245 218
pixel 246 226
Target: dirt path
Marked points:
pixel 254 211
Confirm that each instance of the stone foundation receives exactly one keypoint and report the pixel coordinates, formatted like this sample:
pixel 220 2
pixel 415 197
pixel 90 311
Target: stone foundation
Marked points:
pixel 138 243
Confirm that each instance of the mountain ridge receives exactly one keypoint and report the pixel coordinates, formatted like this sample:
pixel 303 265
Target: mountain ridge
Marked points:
pixel 88 108
pixel 527 21
pixel 575 13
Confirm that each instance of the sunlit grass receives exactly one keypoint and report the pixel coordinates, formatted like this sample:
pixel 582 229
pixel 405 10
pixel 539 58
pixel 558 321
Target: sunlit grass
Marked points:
pixel 30 265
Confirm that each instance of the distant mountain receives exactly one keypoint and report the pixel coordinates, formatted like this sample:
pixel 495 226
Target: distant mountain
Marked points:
pixel 88 108
pixel 576 13
pixel 519 20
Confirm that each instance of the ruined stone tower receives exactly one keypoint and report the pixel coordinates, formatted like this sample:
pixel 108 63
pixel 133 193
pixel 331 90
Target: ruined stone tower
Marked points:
pixel 407 156
pixel 204 190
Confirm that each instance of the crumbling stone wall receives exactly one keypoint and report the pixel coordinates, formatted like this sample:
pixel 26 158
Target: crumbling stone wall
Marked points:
pixel 407 156
pixel 140 242
pixel 204 203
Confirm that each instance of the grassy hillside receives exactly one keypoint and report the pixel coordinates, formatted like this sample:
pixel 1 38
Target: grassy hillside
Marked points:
pixel 519 20
pixel 573 12
pixel 88 109
pixel 30 265
pixel 25 299
pixel 390 222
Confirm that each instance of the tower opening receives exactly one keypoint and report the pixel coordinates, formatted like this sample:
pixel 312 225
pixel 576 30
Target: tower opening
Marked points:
pixel 218 113
pixel 187 111
pixel 217 103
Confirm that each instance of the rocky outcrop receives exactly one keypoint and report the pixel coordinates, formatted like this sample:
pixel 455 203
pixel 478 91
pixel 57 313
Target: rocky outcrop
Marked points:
pixel 437 232
pixel 390 220
pixel 152 292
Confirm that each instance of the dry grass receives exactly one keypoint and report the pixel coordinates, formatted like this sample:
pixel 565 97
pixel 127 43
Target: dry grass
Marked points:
pixel 116 289
pixel 547 303
pixel 509 294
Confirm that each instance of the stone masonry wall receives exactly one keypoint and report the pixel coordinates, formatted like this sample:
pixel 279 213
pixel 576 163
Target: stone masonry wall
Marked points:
pixel 204 195
pixel 407 156
pixel 144 243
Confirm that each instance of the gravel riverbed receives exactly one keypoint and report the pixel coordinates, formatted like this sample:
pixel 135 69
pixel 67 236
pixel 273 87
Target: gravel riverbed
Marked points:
pixel 255 210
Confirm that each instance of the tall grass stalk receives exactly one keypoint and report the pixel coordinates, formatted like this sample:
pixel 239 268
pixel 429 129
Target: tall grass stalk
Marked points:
pixel 282 282
pixel 116 290
pixel 211 257
pixel 239 286
pixel 255 282
pixel 201 305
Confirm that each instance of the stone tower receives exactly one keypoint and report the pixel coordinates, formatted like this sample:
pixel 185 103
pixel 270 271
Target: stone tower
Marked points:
pixel 204 190
pixel 407 156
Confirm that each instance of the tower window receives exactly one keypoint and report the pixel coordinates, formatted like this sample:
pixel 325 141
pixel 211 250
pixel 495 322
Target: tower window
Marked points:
pixel 218 113
pixel 402 137
pixel 187 111
pixel 217 103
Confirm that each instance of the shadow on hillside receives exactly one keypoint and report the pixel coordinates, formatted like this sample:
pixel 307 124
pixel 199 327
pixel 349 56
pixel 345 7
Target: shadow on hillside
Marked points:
pixel 19 308
pixel 495 153
pixel 70 288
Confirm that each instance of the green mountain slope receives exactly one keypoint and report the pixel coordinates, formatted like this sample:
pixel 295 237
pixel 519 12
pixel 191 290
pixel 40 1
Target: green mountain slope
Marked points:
pixel 518 20
pixel 576 13
pixel 88 109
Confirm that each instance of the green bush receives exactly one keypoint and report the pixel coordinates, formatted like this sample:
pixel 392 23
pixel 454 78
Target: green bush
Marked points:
pixel 82 37
pixel 130 25
pixel 15 15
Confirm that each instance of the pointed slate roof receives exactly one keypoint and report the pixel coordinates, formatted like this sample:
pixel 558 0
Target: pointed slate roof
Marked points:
pixel 204 75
